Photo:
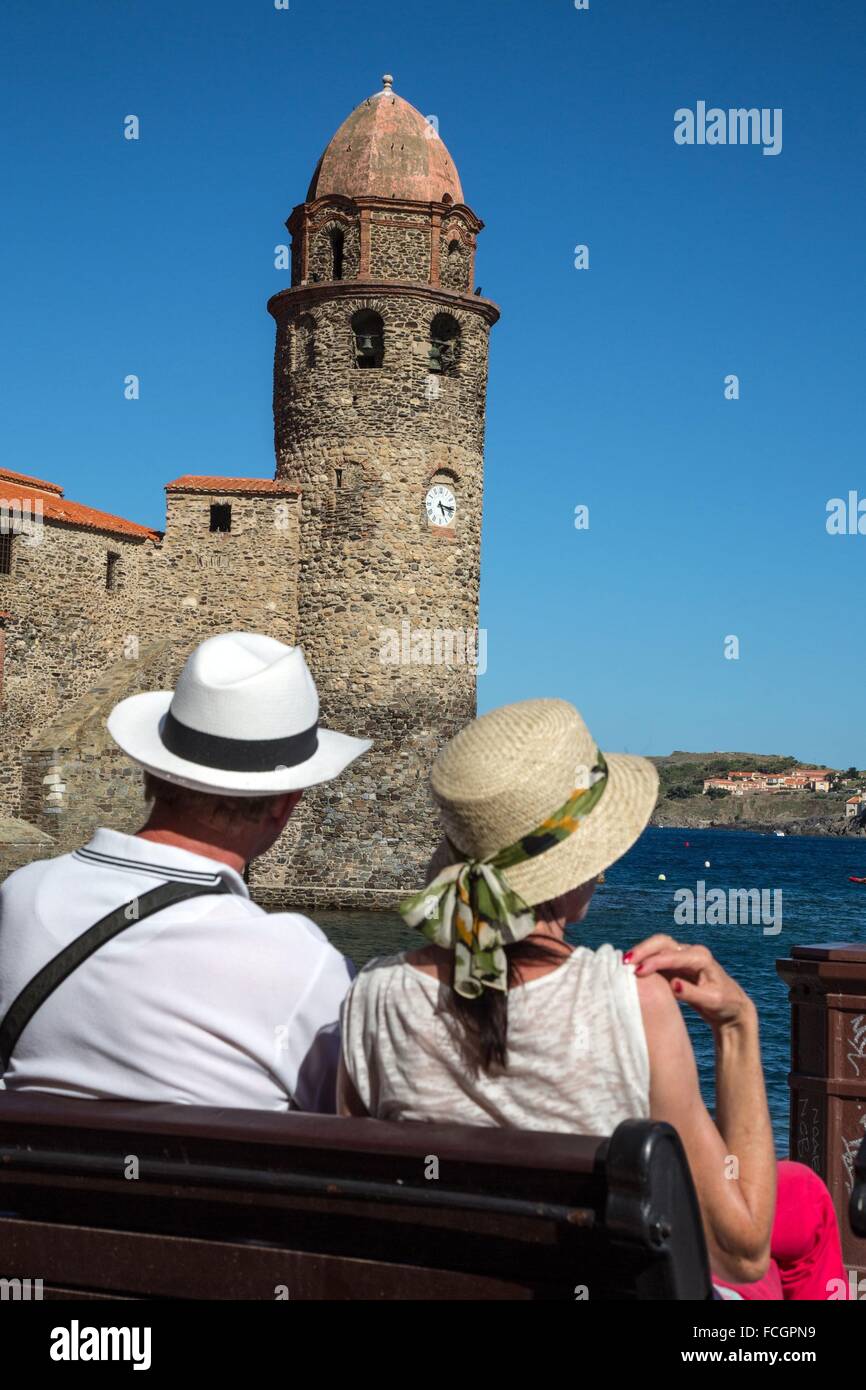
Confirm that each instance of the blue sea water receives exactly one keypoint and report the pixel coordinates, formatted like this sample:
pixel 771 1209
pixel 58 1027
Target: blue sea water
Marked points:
pixel 818 905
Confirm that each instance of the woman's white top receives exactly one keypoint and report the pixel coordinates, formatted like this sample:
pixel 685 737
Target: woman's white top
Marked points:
pixel 577 1052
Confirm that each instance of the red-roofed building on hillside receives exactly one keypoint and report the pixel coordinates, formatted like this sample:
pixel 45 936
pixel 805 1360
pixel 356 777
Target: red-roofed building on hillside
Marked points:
pixel 818 780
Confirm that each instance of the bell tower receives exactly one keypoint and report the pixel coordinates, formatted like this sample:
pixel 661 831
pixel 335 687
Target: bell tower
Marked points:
pixel 380 378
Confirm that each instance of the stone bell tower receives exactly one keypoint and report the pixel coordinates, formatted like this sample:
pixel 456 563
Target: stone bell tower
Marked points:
pixel 380 378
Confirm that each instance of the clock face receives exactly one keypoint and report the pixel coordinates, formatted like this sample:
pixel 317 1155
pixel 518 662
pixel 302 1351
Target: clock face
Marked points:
pixel 440 505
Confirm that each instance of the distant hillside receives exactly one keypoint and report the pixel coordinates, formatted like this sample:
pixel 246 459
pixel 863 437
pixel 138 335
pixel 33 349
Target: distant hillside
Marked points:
pixel 682 803
pixel 685 772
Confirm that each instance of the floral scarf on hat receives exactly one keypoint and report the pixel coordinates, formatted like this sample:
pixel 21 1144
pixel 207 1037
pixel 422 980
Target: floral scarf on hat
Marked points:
pixel 469 908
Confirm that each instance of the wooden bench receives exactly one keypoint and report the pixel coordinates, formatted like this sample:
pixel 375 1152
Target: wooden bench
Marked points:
pixel 125 1200
pixel 857 1207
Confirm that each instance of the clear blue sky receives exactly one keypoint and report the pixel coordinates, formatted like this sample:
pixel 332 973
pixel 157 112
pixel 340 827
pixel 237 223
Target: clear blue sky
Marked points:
pixel 606 387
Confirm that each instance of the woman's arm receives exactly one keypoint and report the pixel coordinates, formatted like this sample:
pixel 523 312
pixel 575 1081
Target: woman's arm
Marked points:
pixel 348 1100
pixel 733 1160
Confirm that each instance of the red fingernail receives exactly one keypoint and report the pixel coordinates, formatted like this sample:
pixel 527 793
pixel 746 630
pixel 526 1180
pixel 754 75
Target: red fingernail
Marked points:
pixel 628 955
pixel 677 986
pixel 638 968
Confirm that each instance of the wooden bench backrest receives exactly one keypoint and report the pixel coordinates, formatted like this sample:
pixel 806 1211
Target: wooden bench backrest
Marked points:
pixel 117 1199
pixel 857 1209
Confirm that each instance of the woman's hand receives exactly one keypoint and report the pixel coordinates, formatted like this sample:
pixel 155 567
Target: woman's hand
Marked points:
pixel 696 978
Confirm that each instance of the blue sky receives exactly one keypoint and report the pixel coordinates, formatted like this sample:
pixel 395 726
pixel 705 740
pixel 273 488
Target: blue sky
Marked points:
pixel 707 516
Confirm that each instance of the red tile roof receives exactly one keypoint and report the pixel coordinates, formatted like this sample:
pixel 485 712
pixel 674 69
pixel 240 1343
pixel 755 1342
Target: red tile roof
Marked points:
pixel 76 514
pixel 190 482
pixel 25 478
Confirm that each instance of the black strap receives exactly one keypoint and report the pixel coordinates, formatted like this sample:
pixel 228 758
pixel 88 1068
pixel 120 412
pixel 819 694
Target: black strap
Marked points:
pixel 58 969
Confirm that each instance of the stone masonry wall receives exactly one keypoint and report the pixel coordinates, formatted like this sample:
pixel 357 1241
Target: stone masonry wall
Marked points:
pixel 377 580
pixel 210 580
pixel 64 628
pixel 321 253
pixel 399 250
pixel 334 399
pixel 455 261
pixel 74 649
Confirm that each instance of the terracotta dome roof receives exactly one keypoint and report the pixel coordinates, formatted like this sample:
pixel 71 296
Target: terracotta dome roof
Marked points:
pixel 386 149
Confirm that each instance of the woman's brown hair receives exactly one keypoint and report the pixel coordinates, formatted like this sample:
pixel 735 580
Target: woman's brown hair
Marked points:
pixel 482 1023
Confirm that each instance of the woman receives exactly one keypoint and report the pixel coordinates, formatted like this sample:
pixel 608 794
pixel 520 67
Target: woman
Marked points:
pixel 499 1021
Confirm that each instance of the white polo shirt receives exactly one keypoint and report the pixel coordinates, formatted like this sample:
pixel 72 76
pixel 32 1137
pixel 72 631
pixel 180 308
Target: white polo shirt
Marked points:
pixel 208 1002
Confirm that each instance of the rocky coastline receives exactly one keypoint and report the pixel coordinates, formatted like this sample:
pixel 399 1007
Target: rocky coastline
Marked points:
pixel 682 815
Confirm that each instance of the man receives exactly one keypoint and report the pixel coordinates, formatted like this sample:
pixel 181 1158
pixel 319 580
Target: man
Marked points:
pixel 187 991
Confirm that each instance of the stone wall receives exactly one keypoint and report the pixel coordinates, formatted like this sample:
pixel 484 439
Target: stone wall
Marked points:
pixel 64 628
pixel 418 243
pixel 336 400
pixel 399 247
pixel 377 583
pixel 73 649
pixel 74 776
pixel 455 260
pixel 210 580
pixel 321 250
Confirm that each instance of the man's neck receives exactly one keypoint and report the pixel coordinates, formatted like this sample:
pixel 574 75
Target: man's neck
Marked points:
pixel 166 834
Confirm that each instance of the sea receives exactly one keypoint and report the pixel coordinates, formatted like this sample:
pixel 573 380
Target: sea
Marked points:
pixel 818 904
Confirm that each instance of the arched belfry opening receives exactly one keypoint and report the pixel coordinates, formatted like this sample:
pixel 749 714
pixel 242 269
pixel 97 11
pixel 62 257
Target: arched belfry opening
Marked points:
pixel 444 355
pixel 338 242
pixel 368 330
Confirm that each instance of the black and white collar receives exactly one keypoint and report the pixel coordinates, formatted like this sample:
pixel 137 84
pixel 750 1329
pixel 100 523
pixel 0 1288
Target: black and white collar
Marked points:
pixel 110 849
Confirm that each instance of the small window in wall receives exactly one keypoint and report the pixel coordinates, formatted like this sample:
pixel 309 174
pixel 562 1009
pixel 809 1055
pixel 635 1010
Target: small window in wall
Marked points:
pixel 220 516
pixel 6 540
pixel 337 244
pixel 112 571
pixel 369 332
pixel 338 472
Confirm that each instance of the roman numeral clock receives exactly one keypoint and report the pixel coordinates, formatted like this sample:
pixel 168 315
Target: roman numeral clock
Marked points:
pixel 440 505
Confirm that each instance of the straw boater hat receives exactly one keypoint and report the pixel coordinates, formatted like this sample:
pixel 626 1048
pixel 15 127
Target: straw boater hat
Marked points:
pixel 531 809
pixel 242 721
pixel 502 776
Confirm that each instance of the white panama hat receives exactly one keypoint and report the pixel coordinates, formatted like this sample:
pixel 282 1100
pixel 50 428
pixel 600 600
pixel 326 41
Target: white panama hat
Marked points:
pixel 243 720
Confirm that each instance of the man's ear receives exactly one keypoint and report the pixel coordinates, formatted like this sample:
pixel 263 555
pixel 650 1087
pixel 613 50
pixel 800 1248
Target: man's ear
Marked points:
pixel 285 805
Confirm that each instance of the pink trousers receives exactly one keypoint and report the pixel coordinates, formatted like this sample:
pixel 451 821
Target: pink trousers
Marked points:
pixel 805 1249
